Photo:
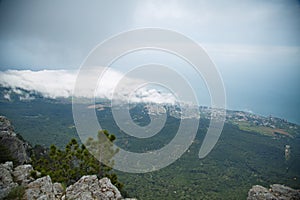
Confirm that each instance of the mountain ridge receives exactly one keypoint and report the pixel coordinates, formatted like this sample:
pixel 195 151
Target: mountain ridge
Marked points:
pixel 240 159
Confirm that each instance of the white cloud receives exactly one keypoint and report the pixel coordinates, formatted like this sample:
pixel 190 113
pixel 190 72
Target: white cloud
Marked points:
pixel 51 83
pixel 152 95
pixel 60 83
pixel 7 96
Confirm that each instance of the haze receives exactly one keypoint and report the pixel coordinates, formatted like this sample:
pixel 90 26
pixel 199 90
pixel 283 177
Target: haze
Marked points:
pixel 254 44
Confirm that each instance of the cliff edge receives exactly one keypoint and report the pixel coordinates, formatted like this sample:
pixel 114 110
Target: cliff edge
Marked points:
pixel 11 145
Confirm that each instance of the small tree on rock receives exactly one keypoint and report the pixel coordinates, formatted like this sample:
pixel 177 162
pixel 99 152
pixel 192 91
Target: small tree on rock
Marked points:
pixel 69 165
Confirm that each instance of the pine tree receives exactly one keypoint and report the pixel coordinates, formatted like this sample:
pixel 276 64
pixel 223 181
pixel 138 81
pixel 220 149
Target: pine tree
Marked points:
pixel 69 165
pixel 103 150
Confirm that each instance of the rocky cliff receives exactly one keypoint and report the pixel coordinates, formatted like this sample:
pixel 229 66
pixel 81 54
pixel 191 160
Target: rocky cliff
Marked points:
pixel 11 145
pixel 275 192
pixel 23 182
pixel 18 183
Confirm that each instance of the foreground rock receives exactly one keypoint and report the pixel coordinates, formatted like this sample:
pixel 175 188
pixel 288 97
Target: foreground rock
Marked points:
pixel 19 181
pixel 18 149
pixel 43 188
pixel 6 179
pixel 22 175
pixel 86 188
pixel 276 192
pixel 89 188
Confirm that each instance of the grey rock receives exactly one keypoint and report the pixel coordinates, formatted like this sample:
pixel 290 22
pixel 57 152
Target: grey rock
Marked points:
pixel 276 192
pixel 130 199
pixel 9 139
pixel 109 191
pixel 58 190
pixel 8 165
pixel 87 188
pixel 90 188
pixel 41 188
pixel 5 125
pixel 6 179
pixel 22 174
pixel 285 192
pixel 82 188
pixel 258 192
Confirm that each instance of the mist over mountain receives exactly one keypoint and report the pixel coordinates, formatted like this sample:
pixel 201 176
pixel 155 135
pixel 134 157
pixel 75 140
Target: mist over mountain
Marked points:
pixel 156 78
pixel 241 158
pixel 59 84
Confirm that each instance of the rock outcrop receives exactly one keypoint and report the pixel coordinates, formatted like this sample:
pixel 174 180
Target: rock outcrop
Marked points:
pixel 87 188
pixel 6 179
pixel 43 188
pixel 276 192
pixel 22 175
pixel 90 188
pixel 33 188
pixel 18 149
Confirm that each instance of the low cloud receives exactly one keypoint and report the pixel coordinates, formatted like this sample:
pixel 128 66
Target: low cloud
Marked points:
pixel 50 83
pixel 60 83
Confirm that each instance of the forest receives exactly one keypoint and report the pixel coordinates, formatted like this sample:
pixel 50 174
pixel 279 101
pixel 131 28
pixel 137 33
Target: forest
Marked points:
pixel 239 160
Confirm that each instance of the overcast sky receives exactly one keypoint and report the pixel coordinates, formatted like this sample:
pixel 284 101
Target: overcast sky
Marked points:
pixel 254 44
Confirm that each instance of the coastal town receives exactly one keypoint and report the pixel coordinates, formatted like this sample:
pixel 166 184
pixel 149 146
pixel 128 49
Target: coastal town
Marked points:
pixel 248 121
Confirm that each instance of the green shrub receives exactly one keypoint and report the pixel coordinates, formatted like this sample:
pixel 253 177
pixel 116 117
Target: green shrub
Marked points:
pixel 69 165
pixel 34 174
pixel 16 193
pixel 5 154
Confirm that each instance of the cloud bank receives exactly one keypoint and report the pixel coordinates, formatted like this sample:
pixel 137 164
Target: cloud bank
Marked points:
pixel 60 83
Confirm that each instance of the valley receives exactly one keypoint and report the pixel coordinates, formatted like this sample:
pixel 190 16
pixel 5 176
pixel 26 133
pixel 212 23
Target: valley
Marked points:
pixel 250 151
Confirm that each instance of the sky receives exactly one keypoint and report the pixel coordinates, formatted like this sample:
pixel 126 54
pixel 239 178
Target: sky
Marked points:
pixel 255 44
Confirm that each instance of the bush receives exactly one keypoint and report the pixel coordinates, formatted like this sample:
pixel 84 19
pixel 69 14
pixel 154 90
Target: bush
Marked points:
pixel 69 165
pixel 16 193
pixel 5 154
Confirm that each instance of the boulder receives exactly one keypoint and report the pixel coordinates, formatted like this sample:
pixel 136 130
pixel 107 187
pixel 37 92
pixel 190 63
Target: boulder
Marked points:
pixel 258 192
pixel 5 126
pixel 42 188
pixel 276 192
pixel 58 190
pixel 6 179
pixel 284 192
pixel 108 190
pixel 90 188
pixel 22 174
pixel 86 188
pixel 8 138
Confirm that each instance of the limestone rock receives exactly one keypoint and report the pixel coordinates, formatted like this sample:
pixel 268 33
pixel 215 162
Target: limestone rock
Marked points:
pixel 22 174
pixel 58 190
pixel 8 138
pixel 108 190
pixel 90 188
pixel 87 188
pixel 6 179
pixel 41 188
pixel 258 192
pixel 276 192
pixel 284 192
pixel 5 126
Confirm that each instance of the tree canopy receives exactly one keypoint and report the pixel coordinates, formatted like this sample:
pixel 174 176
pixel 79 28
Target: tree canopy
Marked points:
pixel 69 165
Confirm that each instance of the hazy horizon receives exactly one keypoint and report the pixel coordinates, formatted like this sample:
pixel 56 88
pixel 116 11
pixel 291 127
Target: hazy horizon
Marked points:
pixel 254 44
